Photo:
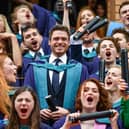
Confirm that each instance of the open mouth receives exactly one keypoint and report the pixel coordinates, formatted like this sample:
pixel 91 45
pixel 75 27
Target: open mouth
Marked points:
pixel 108 53
pixel 34 42
pixel 24 110
pixel 127 18
pixel 15 74
pixel 28 16
pixel 109 82
pixel 87 22
pixel 90 99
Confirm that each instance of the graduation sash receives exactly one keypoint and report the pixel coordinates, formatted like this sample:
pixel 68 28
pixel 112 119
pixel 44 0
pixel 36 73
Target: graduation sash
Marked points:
pixel 27 55
pixel 72 81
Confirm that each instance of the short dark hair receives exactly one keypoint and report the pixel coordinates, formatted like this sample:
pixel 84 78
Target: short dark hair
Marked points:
pixel 121 31
pixel 123 4
pixel 60 28
pixel 25 28
pixel 111 39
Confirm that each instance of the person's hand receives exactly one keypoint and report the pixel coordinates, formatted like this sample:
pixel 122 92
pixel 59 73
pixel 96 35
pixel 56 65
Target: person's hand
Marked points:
pixel 123 87
pixel 24 48
pixel 114 119
pixel 69 122
pixel 6 35
pixel 102 84
pixel 81 28
pixel 59 113
pixel 64 3
pixel 46 114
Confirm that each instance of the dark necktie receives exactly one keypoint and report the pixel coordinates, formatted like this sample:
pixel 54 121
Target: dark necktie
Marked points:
pixel 55 77
pixel 37 56
pixel 86 51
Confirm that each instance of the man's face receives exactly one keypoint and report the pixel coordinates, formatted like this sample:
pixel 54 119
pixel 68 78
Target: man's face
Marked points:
pixel 24 16
pixel 32 39
pixel 112 79
pixel 59 43
pixel 124 15
pixel 108 51
pixel 121 39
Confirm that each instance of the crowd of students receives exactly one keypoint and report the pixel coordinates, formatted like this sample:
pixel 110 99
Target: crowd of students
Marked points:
pixel 40 56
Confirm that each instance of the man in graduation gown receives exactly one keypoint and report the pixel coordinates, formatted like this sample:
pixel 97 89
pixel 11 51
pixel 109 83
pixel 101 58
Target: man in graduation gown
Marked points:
pixel 71 73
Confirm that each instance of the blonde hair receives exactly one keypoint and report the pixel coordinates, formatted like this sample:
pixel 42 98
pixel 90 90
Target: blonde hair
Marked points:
pixel 6 25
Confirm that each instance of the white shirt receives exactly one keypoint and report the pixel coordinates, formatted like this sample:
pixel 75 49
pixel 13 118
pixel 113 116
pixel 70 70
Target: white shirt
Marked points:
pixel 32 53
pixel 89 48
pixel 51 61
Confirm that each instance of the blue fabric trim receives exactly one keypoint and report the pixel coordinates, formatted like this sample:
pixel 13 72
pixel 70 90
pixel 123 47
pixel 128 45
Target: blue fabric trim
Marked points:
pixel 27 55
pixel 24 127
pixel 56 16
pixel 4 122
pixel 40 77
pixel 97 73
pixel 19 38
pixel 59 68
pixel 117 104
pixel 103 120
pixel 96 41
pixel 41 85
pixel 113 25
pixel 72 86
pixel 10 93
pixel 89 55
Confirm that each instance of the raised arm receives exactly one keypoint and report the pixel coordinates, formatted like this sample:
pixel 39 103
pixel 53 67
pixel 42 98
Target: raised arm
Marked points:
pixel 66 20
pixel 16 53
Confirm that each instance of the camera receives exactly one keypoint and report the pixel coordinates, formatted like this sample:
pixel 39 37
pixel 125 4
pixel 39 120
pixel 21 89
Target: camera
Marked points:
pixel 69 4
pixel 50 103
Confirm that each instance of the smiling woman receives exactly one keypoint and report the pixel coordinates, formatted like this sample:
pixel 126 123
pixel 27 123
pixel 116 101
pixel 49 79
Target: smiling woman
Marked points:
pixel 25 112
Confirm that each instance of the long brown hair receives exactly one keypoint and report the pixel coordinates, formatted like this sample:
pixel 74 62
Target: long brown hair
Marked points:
pixel 79 15
pixel 5 102
pixel 103 104
pixel 34 122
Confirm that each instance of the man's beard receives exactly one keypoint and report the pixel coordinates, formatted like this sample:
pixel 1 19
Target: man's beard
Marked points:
pixel 87 41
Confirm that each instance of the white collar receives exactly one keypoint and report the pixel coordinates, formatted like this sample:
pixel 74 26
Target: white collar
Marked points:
pixel 89 48
pixel 62 58
pixel 32 53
